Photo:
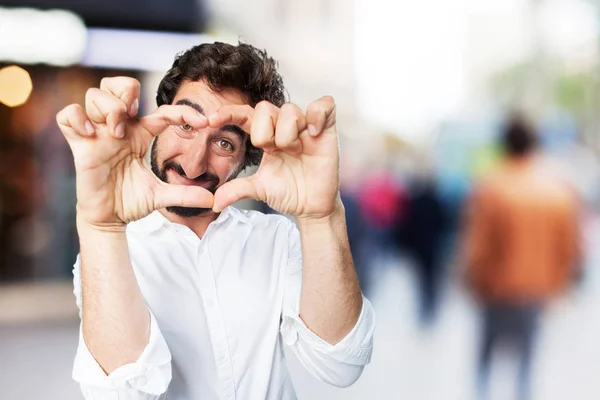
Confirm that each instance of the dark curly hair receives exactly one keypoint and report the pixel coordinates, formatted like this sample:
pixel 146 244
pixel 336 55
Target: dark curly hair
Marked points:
pixel 222 65
pixel 519 137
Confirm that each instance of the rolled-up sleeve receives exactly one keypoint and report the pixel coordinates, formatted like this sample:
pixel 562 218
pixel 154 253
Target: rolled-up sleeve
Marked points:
pixel 340 364
pixel 146 379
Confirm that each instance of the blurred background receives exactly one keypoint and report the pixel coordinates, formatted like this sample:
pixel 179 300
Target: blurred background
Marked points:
pixel 425 91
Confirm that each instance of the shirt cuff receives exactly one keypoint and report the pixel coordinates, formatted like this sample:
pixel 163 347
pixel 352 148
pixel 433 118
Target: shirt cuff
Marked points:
pixel 355 348
pixel 150 374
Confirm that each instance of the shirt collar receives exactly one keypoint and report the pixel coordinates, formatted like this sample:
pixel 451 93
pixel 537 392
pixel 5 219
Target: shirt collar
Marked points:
pixel 155 220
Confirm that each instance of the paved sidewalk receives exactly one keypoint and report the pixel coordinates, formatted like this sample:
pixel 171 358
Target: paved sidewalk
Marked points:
pixel 37 303
pixel 38 336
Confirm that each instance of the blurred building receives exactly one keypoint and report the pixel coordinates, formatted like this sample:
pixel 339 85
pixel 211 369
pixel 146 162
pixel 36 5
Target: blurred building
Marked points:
pixel 63 48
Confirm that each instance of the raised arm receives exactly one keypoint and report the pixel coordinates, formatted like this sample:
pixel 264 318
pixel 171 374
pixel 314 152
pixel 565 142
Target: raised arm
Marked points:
pixel 299 175
pixel 115 187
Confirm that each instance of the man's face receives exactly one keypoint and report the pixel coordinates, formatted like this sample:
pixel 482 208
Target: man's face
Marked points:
pixel 212 157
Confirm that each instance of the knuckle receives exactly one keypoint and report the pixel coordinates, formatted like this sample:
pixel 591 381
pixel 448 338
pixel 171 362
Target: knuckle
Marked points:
pixel 72 108
pixel 328 99
pixel 289 108
pixel 316 110
pixel 91 92
pixel 71 111
pixel 129 86
pixel 164 108
pixel 60 116
pixel 122 107
pixel 259 140
pixel 126 80
pixel 264 105
pixel 321 105
pixel 135 84
pixel 283 140
pixel 313 107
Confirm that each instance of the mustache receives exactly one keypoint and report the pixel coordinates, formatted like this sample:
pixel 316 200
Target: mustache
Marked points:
pixel 207 176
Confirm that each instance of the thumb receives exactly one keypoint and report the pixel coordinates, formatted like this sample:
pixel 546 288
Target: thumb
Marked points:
pixel 234 190
pixel 166 195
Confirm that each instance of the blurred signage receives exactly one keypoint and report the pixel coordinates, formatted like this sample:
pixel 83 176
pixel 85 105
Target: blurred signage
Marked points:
pixel 137 50
pixel 29 36
pixel 161 15
pixel 60 38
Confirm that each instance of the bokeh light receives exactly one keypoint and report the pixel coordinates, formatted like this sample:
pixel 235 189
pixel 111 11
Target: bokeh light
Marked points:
pixel 15 86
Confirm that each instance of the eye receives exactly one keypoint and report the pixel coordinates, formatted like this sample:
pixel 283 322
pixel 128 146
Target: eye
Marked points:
pixel 225 145
pixel 185 131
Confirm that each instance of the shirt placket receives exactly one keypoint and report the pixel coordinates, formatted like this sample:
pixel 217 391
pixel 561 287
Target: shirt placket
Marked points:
pixel 216 325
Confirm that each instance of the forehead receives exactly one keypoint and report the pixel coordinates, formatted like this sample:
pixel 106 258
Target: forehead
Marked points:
pixel 200 93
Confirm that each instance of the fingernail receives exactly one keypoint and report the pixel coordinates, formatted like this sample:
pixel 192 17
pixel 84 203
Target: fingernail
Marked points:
pixel 312 130
pixel 133 109
pixel 89 127
pixel 120 130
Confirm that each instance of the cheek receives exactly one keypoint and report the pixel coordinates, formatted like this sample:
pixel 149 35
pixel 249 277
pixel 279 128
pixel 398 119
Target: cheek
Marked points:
pixel 225 167
pixel 170 147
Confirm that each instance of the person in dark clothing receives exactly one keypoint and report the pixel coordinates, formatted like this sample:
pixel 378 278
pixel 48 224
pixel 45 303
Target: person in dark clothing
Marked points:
pixel 421 236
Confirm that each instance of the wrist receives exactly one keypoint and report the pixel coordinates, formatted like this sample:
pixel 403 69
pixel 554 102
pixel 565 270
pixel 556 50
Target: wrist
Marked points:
pixel 336 215
pixel 85 226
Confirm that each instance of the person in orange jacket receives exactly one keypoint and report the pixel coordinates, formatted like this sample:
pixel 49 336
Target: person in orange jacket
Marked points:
pixel 521 248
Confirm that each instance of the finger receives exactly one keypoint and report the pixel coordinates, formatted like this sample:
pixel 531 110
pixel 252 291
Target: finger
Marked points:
pixel 240 115
pixel 125 88
pixel 262 133
pixel 105 108
pixel 168 195
pixel 236 189
pixel 73 122
pixel 290 123
pixel 318 114
pixel 167 115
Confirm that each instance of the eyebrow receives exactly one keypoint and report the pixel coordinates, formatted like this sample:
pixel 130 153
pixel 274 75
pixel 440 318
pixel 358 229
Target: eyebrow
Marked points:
pixel 225 128
pixel 239 132
pixel 195 106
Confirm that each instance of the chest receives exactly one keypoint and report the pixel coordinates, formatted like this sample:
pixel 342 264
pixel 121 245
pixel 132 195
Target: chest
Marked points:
pixel 227 282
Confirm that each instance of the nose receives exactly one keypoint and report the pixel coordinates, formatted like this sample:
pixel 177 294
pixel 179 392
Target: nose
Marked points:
pixel 195 160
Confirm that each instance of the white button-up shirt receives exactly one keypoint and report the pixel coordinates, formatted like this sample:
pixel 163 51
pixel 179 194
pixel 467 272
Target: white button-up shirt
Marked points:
pixel 221 308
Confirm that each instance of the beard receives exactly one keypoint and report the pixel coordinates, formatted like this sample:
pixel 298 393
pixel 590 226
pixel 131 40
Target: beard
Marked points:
pixel 161 173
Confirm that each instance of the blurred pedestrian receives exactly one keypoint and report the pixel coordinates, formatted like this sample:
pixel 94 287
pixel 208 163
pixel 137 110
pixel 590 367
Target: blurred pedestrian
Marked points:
pixel 421 234
pixel 381 202
pixel 521 249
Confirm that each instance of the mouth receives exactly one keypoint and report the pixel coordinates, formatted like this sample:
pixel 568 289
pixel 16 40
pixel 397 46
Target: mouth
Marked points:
pixel 177 179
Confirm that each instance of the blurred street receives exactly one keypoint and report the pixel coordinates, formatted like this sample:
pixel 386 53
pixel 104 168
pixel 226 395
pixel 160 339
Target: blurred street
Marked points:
pixel 407 363
pixel 469 171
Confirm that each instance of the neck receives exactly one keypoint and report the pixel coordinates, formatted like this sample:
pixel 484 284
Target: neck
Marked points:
pixel 521 159
pixel 198 224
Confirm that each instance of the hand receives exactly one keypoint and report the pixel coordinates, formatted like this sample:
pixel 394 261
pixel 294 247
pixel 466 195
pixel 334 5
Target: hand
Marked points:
pixel 299 172
pixel 114 184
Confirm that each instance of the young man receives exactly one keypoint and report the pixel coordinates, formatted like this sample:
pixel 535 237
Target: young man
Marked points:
pixel 522 249
pixel 181 295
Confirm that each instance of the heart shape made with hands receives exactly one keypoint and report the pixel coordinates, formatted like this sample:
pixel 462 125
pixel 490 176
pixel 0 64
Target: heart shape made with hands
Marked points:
pixel 299 168
pixel 298 174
